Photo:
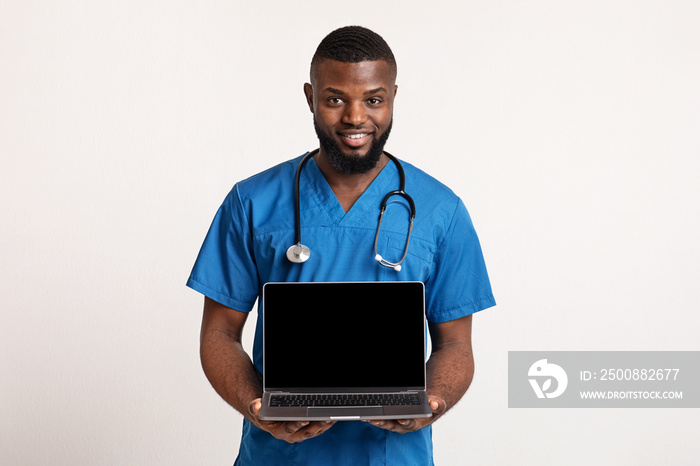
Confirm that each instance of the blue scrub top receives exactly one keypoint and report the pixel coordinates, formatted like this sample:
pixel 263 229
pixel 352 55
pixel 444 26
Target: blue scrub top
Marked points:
pixel 246 246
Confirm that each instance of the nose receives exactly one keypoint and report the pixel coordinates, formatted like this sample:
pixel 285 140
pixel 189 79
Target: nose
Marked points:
pixel 354 114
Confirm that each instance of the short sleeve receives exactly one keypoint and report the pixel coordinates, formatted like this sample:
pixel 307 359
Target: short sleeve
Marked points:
pixel 225 267
pixel 458 284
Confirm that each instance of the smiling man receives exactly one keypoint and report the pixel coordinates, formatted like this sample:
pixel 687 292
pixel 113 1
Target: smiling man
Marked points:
pixel 352 104
pixel 341 187
pixel 352 123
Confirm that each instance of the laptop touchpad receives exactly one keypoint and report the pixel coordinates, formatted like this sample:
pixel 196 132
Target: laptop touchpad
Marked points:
pixel 345 411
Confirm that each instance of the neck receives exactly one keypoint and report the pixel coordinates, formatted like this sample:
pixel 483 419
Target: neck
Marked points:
pixel 347 188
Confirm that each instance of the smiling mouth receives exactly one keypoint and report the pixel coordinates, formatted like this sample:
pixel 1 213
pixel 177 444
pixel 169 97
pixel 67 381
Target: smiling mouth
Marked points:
pixel 355 140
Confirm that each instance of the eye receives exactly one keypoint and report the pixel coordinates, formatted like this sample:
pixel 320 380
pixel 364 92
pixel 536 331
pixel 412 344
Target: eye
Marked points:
pixel 374 101
pixel 335 100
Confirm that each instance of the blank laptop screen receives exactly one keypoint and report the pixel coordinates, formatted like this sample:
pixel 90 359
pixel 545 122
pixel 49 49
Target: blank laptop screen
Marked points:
pixel 344 335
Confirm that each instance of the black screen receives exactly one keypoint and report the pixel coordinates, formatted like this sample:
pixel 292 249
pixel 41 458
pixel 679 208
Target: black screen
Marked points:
pixel 344 335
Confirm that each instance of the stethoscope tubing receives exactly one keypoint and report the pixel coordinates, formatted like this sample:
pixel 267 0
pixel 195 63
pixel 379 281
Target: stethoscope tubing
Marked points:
pixel 299 253
pixel 297 206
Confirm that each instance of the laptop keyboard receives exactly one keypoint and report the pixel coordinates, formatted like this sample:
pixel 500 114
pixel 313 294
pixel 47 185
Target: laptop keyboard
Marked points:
pixel 362 399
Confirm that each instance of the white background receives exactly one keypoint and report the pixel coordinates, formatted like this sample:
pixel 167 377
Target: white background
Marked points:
pixel 570 129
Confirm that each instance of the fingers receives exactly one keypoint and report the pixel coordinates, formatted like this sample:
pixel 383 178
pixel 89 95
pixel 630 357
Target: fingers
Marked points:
pixel 407 425
pixel 401 426
pixel 293 427
pixel 438 406
pixel 291 431
pixel 317 428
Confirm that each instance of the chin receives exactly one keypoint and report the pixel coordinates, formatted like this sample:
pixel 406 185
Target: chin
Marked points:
pixel 356 154
pixel 356 161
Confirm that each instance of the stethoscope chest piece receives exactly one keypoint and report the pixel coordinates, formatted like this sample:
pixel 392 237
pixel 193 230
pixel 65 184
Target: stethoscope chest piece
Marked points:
pixel 298 253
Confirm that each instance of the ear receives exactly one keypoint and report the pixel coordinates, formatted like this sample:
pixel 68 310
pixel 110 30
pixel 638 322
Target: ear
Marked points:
pixel 396 88
pixel 309 92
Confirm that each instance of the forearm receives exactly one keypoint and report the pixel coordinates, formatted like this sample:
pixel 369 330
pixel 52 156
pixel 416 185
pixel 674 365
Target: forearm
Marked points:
pixel 230 370
pixel 232 374
pixel 450 371
pixel 451 366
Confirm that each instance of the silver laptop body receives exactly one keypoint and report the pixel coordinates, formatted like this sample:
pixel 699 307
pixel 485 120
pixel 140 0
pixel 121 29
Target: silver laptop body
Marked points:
pixel 344 351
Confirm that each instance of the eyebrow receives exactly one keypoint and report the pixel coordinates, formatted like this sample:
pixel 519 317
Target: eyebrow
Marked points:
pixel 335 91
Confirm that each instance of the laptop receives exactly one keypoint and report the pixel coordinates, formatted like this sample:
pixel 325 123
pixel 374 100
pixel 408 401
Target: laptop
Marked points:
pixel 344 351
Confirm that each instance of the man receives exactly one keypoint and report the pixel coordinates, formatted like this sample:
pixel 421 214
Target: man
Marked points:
pixel 351 96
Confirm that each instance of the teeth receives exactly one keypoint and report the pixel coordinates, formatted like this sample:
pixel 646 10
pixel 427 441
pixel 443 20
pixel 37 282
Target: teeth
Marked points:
pixel 356 136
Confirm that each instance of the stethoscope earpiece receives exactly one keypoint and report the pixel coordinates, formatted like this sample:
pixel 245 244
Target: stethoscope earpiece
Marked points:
pixel 298 253
pixel 390 265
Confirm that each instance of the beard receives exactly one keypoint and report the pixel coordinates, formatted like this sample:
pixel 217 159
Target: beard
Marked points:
pixel 353 164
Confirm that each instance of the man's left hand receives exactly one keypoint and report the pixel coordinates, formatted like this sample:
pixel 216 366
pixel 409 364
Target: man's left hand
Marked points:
pixel 437 405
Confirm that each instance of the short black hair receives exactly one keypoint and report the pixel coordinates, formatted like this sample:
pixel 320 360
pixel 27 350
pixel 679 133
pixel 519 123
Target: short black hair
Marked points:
pixel 353 44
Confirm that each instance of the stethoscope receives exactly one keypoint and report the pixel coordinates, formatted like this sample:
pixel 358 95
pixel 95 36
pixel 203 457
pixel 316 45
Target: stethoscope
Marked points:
pixel 298 253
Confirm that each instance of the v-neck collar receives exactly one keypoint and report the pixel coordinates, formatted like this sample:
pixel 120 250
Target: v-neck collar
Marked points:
pixel 367 204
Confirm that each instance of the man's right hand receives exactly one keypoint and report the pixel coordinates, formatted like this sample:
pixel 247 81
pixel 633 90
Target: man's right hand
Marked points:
pixel 289 431
pixel 231 372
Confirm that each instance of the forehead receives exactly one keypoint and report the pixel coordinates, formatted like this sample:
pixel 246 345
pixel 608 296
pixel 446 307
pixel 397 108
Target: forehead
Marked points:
pixel 365 74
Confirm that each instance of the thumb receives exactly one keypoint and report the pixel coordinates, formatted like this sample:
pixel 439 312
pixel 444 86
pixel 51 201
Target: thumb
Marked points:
pixel 437 405
pixel 254 407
